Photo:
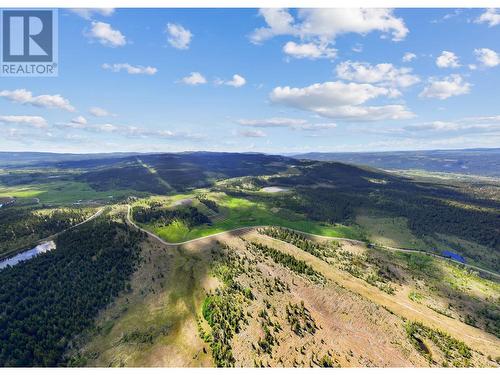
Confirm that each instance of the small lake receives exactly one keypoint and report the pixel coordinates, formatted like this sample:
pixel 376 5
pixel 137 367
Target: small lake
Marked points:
pixel 274 189
pixel 28 254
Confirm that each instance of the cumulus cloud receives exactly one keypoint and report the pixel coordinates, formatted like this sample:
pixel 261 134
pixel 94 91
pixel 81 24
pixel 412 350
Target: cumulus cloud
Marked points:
pixel 341 100
pixel 452 85
pixel 447 59
pixel 279 22
pixel 194 79
pixel 284 122
pixel 409 56
pixel 236 81
pixel 88 13
pixel 327 24
pixel 491 17
pixel 310 51
pixel 23 96
pixel 106 35
pixel 130 69
pixel 385 74
pixel 487 57
pixel 327 94
pixel 178 36
pixel 35 121
pixel 100 112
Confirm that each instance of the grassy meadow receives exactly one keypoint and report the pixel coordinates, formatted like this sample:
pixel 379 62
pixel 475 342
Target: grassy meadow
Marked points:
pixel 240 212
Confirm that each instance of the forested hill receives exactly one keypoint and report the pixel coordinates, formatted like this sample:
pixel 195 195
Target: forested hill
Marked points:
pixel 42 159
pixel 48 300
pixel 164 173
pixel 482 162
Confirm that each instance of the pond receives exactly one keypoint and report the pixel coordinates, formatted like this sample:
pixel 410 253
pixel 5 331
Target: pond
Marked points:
pixel 275 189
pixel 28 254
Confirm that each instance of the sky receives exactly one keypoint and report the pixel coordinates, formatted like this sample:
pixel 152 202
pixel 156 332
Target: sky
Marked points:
pixel 262 80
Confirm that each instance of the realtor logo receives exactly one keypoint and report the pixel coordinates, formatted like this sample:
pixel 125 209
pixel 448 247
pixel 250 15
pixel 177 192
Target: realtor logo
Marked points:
pixel 29 43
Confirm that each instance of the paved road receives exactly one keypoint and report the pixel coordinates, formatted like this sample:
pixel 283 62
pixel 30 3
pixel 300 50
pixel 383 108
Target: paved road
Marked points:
pixel 390 248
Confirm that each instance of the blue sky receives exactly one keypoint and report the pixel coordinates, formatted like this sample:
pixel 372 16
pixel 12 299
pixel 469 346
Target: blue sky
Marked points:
pixel 277 81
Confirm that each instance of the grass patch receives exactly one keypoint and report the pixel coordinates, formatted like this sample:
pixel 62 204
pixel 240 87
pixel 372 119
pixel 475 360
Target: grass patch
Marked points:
pixel 240 212
pixel 389 231
pixel 415 296
pixel 419 263
pixel 63 192
pixel 175 231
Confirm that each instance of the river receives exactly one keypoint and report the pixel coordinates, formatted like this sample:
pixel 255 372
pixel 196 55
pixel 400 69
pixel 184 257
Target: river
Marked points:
pixel 28 254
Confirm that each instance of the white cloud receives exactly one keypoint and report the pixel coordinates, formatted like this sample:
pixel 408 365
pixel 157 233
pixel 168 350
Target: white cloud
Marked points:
pixel 130 69
pixel 274 122
pixel 252 133
pixel 327 24
pixel 107 128
pixel 23 96
pixel 279 22
pixel 106 35
pixel 491 17
pixel 358 48
pixel 100 112
pixel 484 119
pixel 310 51
pixel 447 59
pixel 452 85
pixel 80 120
pixel 434 126
pixel 409 56
pixel 327 94
pixel 35 121
pixel 194 79
pixel 88 13
pixel 283 122
pixel 236 81
pixel 386 74
pixel 178 36
pixel 341 100
pixel 485 124
pixel 319 126
pixel 129 131
pixel 487 57
pixel 367 113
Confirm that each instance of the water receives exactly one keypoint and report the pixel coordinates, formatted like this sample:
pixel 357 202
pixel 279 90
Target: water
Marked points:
pixel 28 254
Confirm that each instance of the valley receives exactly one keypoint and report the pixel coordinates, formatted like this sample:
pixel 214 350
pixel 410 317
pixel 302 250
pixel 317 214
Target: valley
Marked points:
pixel 252 261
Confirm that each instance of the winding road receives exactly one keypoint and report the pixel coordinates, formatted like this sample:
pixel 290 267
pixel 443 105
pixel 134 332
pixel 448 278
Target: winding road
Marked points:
pixel 390 248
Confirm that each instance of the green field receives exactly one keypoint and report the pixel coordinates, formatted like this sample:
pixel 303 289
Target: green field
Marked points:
pixel 239 212
pixel 389 231
pixel 62 192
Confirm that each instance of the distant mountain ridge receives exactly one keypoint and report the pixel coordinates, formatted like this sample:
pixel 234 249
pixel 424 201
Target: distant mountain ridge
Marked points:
pixel 21 159
pixel 483 162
